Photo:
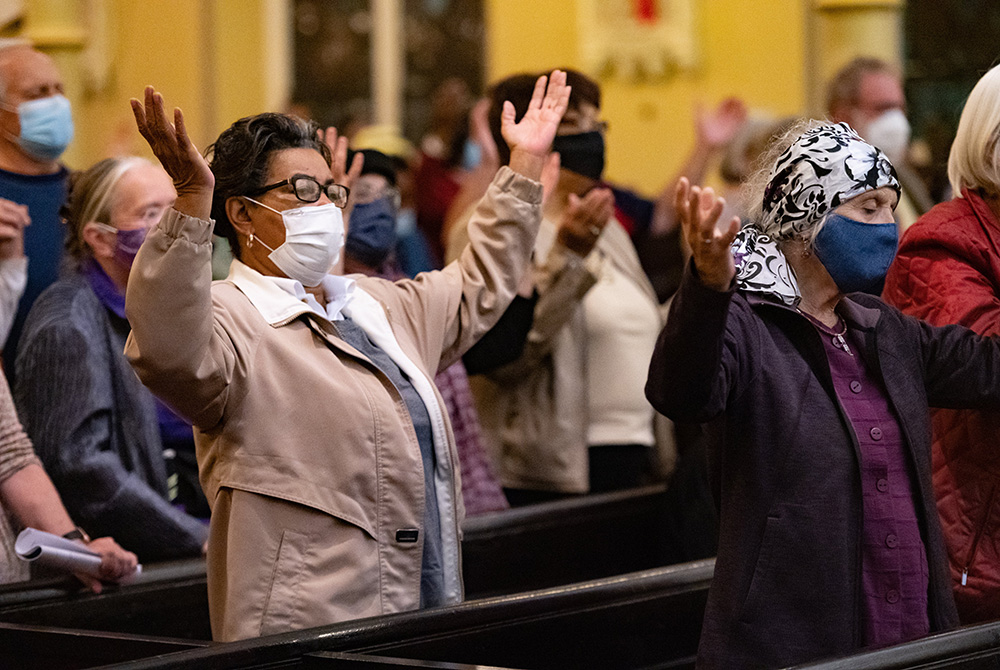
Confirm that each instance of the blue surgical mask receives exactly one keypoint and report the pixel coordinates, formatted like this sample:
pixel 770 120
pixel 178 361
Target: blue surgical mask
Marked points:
pixel 857 255
pixel 371 232
pixel 46 127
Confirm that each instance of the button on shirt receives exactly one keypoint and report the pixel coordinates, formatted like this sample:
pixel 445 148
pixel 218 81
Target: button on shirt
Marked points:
pixel 894 561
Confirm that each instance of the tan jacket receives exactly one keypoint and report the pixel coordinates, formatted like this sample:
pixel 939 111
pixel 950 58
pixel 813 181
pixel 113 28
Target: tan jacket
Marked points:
pixel 284 408
pixel 534 410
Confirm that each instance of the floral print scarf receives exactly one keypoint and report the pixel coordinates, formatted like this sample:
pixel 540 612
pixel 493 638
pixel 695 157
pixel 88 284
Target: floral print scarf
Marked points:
pixel 822 169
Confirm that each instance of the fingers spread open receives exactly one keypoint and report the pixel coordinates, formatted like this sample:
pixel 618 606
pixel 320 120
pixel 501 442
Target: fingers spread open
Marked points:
pixel 538 94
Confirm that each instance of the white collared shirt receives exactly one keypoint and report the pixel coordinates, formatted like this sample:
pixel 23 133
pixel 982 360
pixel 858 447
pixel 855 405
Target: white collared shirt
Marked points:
pixel 280 299
pixel 338 290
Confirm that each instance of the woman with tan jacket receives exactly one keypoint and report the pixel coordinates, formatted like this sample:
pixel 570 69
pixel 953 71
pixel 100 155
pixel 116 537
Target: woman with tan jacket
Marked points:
pixel 322 445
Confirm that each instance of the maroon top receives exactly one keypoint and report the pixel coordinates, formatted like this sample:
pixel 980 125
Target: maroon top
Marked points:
pixel 894 560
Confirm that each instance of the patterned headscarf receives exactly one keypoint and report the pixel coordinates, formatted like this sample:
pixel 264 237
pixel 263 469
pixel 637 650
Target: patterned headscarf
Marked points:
pixel 822 169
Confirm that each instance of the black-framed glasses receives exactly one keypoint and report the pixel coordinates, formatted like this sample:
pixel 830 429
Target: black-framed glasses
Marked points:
pixel 308 189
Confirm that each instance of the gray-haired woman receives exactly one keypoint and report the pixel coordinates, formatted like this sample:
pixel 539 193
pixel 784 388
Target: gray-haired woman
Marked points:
pixel 829 536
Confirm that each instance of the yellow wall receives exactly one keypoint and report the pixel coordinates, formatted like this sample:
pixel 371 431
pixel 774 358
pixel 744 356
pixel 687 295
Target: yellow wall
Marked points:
pixel 754 50
pixel 215 59
pixel 222 59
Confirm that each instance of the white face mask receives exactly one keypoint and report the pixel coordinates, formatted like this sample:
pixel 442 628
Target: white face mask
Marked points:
pixel 890 132
pixel 314 237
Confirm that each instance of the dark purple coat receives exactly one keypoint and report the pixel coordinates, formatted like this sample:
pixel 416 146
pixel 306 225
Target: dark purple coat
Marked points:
pixel 786 468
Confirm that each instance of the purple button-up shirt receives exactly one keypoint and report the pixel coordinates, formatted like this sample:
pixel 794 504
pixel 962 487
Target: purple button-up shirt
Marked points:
pixel 894 560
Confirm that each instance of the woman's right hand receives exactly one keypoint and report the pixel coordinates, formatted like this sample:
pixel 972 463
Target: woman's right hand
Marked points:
pixel 170 143
pixel 699 211
pixel 116 563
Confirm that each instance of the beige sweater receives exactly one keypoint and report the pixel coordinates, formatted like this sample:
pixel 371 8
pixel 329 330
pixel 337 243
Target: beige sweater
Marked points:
pixel 16 453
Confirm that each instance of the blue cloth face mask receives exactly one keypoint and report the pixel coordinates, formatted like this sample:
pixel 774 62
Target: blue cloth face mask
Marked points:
pixel 46 127
pixel 857 255
pixel 371 232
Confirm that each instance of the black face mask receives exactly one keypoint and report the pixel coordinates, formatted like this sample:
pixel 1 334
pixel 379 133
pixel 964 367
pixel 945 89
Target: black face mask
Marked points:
pixel 582 153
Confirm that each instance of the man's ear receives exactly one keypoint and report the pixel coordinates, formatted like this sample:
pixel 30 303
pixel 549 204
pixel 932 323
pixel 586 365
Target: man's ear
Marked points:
pixel 100 241
pixel 239 215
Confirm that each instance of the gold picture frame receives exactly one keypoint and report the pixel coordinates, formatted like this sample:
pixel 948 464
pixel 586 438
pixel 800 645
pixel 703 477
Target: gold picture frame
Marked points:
pixel 637 40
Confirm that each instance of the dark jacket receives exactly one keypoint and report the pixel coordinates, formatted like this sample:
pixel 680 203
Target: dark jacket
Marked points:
pixel 947 270
pixel 94 425
pixel 788 574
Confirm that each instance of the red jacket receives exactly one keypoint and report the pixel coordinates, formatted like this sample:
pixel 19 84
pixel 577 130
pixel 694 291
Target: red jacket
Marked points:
pixel 948 271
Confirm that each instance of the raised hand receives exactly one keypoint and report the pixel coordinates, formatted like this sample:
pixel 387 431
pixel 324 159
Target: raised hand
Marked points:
pixel 719 126
pixel 699 211
pixel 180 158
pixel 338 149
pixel 584 220
pixel 530 138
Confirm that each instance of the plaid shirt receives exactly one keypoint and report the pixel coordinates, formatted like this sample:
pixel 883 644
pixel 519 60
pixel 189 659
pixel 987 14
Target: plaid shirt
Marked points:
pixel 480 486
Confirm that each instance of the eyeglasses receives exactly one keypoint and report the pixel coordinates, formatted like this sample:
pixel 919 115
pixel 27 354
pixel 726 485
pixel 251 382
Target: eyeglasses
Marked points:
pixel 308 189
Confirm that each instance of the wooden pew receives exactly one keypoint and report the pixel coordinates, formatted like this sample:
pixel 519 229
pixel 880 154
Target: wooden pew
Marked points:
pixel 150 606
pixel 38 648
pixel 41 648
pixel 509 552
pixel 564 542
pixel 644 620
pixel 969 648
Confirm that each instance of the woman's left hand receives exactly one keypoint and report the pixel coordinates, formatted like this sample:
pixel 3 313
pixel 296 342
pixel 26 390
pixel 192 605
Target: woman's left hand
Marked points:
pixel 338 149
pixel 530 138
pixel 699 211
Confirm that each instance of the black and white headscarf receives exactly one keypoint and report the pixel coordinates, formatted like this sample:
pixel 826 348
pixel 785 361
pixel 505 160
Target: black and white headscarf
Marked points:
pixel 822 169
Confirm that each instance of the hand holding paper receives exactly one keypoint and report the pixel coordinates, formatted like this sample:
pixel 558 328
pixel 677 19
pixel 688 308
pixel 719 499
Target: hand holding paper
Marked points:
pixel 102 559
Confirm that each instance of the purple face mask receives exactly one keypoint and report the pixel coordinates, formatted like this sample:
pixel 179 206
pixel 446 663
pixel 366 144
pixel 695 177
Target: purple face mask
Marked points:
pixel 127 243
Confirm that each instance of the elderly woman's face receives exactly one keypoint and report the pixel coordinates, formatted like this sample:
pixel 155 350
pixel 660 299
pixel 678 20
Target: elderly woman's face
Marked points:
pixel 874 206
pixel 141 196
pixel 284 164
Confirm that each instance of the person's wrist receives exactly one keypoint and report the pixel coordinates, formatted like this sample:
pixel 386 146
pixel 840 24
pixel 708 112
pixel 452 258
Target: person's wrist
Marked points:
pixel 527 163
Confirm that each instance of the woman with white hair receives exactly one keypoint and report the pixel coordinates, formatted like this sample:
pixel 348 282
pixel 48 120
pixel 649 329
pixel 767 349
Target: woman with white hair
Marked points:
pixel 829 540
pixel 93 424
pixel 948 271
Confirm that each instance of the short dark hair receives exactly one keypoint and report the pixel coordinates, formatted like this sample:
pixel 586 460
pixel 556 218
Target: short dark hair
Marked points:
pixel 241 156
pixel 518 89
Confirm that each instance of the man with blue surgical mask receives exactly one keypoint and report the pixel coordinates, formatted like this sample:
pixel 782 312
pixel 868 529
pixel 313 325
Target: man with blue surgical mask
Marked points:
pixel 35 128
pixel 867 94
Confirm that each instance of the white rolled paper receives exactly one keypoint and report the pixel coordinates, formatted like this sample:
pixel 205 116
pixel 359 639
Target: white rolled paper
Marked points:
pixel 59 553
